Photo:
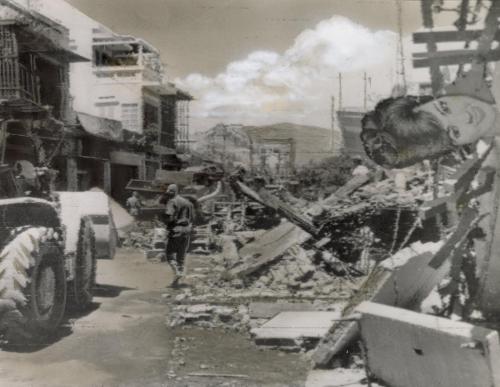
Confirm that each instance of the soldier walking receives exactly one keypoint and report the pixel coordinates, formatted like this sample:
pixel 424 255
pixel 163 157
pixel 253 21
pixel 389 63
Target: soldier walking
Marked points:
pixel 178 219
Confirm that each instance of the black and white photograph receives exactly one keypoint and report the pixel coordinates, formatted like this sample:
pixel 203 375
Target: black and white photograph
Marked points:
pixel 246 193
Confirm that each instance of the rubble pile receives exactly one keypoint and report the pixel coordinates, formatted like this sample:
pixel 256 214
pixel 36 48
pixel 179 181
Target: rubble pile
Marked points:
pixel 212 300
pixel 379 230
pixel 292 276
pixel 387 193
pixel 138 236
pixel 209 316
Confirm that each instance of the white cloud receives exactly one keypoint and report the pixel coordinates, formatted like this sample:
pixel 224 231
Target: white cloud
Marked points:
pixel 296 85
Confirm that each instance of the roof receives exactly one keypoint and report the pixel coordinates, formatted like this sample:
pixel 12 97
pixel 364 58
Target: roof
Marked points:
pixel 101 127
pixel 169 89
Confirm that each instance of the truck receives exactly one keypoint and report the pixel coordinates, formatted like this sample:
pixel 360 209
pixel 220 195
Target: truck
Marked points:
pixel 48 253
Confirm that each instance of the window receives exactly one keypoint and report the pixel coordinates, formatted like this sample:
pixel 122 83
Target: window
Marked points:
pixel 130 116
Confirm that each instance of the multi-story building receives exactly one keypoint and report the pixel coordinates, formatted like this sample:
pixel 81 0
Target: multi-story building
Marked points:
pixel 36 121
pixel 122 85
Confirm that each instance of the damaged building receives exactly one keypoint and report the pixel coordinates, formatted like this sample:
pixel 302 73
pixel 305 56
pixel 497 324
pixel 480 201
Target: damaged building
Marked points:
pixel 130 88
pixel 122 119
pixel 35 98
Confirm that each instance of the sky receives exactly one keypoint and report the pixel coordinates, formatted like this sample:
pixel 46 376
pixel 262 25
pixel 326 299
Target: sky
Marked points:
pixel 265 61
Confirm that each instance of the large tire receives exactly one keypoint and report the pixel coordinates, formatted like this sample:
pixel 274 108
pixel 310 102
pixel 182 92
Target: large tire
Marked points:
pixel 32 285
pixel 82 287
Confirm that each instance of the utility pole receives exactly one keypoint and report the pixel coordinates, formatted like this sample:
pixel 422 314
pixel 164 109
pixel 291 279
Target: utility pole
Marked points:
pixel 365 81
pixel 399 7
pixel 332 139
pixel 340 91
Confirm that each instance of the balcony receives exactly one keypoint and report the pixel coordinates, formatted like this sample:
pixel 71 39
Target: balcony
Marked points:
pixel 19 88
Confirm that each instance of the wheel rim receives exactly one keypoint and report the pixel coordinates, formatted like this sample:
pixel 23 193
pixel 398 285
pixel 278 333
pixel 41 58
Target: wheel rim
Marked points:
pixel 46 290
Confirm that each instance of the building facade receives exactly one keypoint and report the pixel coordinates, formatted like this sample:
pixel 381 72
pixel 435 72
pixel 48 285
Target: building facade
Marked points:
pixel 37 124
pixel 121 101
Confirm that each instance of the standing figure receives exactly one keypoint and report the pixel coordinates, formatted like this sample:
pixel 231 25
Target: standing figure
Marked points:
pixel 134 204
pixel 178 219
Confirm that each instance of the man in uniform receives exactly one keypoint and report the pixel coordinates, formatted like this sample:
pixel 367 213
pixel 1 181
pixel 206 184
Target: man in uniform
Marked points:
pixel 178 219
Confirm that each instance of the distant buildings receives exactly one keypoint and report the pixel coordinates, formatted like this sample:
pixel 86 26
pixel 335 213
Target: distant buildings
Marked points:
pixel 276 149
pixel 132 122
pixel 350 124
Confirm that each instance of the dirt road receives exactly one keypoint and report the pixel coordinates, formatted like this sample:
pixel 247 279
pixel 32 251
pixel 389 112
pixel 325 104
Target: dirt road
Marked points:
pixel 124 341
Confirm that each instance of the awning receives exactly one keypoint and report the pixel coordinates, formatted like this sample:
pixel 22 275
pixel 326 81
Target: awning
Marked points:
pixel 169 89
pixel 101 127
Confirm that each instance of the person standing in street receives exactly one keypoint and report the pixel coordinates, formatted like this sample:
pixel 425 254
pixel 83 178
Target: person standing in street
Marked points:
pixel 178 219
pixel 134 204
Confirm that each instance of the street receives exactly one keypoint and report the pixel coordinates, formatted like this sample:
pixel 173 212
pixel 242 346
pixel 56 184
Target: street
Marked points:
pixel 124 341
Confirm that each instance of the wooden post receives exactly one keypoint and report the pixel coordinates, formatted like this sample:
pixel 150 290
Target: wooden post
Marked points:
pixel 71 174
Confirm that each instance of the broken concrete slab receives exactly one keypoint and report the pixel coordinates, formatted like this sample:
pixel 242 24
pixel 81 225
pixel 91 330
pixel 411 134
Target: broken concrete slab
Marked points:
pixel 268 247
pixel 338 377
pixel 404 280
pixel 271 309
pixel 409 349
pixel 288 328
pixel 348 188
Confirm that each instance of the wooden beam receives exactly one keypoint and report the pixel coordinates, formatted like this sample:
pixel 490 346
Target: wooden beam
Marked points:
pixel 469 216
pixel 463 177
pixel 449 36
pixel 487 185
pixel 452 57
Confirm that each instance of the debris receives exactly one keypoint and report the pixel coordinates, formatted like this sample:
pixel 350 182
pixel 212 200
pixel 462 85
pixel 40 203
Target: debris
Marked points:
pixel 229 250
pixel 291 328
pixel 348 188
pixel 207 316
pixel 403 280
pixel 271 309
pixel 268 248
pixel 431 351
pixel 338 377
pixel 234 376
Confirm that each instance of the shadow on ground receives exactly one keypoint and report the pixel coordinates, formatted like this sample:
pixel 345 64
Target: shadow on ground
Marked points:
pixel 39 342
pixel 109 291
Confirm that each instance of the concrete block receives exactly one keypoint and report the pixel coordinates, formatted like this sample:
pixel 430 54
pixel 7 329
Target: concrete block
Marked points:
pixel 287 328
pixel 338 377
pixel 408 349
pixel 271 309
pixel 268 248
pixel 404 280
